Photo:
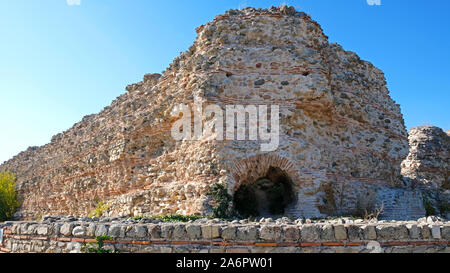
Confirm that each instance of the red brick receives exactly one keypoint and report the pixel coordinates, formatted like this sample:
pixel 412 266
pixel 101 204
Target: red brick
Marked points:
pixel 222 243
pixel 355 244
pixel 398 243
pixel 80 240
pixel 420 243
pixel 201 243
pixel 140 242
pixel 124 242
pixel 179 242
pixel 266 244
pixel 288 244
pixel 237 250
pixel 311 244
pixel 333 244
pixel 244 244
pixel 63 239
pixel 160 243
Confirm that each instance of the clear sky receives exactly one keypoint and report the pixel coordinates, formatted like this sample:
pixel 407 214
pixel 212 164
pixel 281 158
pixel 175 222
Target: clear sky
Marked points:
pixel 59 62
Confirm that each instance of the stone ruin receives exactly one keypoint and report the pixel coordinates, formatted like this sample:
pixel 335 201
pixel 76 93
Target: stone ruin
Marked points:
pixel 428 162
pixel 342 137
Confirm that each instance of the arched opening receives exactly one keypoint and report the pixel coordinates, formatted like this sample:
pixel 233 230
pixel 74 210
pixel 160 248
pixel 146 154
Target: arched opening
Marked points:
pixel 269 195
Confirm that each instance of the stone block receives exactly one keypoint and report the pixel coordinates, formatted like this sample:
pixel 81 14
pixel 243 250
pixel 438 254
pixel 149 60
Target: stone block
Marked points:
pixel 66 229
pixel 309 233
pixel 101 230
pixel 247 233
pixel 229 233
pixel 210 231
pixel 137 231
pixel 291 233
pixel 194 232
pixel 79 231
pixel 340 232
pixel 270 233
pixel 392 232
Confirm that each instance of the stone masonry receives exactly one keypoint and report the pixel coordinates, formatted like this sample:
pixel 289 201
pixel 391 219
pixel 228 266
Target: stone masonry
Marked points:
pixel 342 137
pixel 428 161
pixel 71 235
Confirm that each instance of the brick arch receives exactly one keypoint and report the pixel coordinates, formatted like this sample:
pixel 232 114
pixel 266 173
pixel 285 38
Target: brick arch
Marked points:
pixel 252 168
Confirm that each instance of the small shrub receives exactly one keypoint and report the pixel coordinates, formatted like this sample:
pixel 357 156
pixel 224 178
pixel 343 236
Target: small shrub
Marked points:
pixel 99 210
pixel 99 246
pixel 221 208
pixel 366 207
pixel 374 214
pixel 9 202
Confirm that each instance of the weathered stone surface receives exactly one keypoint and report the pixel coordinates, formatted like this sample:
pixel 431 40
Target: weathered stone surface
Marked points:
pixel 391 232
pixel 428 161
pixel 327 233
pixel 340 232
pixel 291 233
pixel 354 232
pixel 43 230
pixel 166 231
pixel 137 231
pixel 179 232
pixel 425 231
pixel 414 231
pixel 90 231
pixel 436 232
pixel 101 230
pixel 116 231
pixel 193 231
pixel 369 232
pixel 154 231
pixel 270 232
pixel 229 233
pixel 31 229
pixel 210 231
pixel 79 231
pixel 446 232
pixel 310 233
pixel 66 229
pixel 247 233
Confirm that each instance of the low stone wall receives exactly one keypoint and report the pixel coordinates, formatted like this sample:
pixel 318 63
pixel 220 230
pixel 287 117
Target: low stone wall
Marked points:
pixel 68 235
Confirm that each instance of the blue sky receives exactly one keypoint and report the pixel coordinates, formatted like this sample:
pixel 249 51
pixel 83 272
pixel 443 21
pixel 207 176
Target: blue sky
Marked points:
pixel 60 62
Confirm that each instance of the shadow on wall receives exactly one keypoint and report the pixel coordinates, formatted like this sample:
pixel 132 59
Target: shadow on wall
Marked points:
pixel 269 195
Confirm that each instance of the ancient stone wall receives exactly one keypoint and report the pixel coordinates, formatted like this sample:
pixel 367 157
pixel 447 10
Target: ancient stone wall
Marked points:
pixel 64 235
pixel 428 162
pixel 339 129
